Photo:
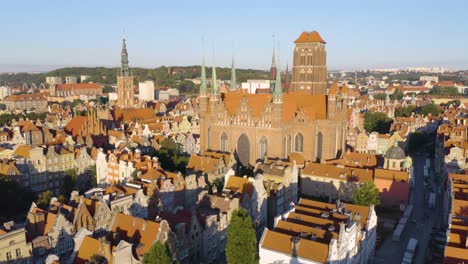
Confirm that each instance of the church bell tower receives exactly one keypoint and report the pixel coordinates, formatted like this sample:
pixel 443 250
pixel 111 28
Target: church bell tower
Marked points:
pixel 309 70
pixel 125 80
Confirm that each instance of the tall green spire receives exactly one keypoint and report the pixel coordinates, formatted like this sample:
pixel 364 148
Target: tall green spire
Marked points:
pixel 233 74
pixel 278 92
pixel 214 84
pixel 203 77
pixel 124 69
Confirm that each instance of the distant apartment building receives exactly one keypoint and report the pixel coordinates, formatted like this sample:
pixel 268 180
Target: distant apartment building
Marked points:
pixel 166 94
pixel 4 92
pixel 71 79
pixel 27 102
pixel 53 80
pixel 146 90
pixel 253 85
pixel 429 79
pixel 316 232
pixel 84 78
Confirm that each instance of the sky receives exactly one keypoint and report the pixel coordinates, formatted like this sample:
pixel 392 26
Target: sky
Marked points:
pixel 47 34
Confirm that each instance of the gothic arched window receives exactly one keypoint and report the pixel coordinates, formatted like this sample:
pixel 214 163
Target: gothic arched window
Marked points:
pixel 208 138
pixel 224 142
pixel 263 147
pixel 318 145
pixel 289 145
pixel 298 142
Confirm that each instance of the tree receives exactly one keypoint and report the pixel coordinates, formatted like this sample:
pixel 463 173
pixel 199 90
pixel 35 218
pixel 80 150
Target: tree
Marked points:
pixel 397 95
pixel 108 89
pixel 170 157
pixel 430 109
pixel 241 244
pixel 377 122
pixel 452 102
pixel 158 253
pixel 43 200
pixel 76 102
pixel 366 195
pixel 187 87
pixel 69 182
pixel 405 111
pixel 92 176
pixel 439 90
pixel 380 96
pixel 135 174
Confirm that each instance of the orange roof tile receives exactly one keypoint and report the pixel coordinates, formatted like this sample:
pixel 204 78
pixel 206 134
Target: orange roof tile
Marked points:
pixel 75 125
pixel 307 37
pixel 23 150
pixel 77 86
pixel 343 173
pixel 89 247
pixel 240 185
pixel 136 231
pixel 307 249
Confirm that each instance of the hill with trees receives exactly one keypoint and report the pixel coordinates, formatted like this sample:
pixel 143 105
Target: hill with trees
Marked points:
pixel 162 76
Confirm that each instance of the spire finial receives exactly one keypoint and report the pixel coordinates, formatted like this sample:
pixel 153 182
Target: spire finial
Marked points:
pixel 124 68
pixel 214 84
pixel 203 73
pixel 233 72
pixel 278 92
pixel 273 57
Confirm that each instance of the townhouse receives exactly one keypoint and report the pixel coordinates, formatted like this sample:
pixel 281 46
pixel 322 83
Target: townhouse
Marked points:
pixel 316 232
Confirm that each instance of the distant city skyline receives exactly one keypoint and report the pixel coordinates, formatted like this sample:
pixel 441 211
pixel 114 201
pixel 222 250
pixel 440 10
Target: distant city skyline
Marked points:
pixel 359 35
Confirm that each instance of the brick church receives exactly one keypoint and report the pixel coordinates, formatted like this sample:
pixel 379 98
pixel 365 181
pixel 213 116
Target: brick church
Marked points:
pixel 309 118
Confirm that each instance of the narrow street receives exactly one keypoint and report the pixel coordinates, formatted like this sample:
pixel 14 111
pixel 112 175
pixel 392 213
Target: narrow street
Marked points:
pixel 391 251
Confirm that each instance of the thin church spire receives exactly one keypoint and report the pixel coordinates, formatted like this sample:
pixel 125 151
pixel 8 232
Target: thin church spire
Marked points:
pixel 233 73
pixel 214 83
pixel 203 73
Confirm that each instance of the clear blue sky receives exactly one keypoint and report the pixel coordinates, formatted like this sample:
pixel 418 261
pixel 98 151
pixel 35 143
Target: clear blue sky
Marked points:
pixel 360 34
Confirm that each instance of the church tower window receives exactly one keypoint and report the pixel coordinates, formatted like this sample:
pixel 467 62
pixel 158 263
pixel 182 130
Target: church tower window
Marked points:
pixel 263 147
pixel 298 143
pixel 224 142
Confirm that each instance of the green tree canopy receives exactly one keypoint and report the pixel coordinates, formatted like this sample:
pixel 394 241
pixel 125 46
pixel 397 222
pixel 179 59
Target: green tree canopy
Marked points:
pixel 187 87
pixel 405 111
pixel 380 96
pixel 158 253
pixel 439 90
pixel 397 95
pixel 432 109
pixel 44 199
pixel 241 245
pixel 366 195
pixel 108 89
pixel 377 122
pixel 69 182
pixel 170 157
